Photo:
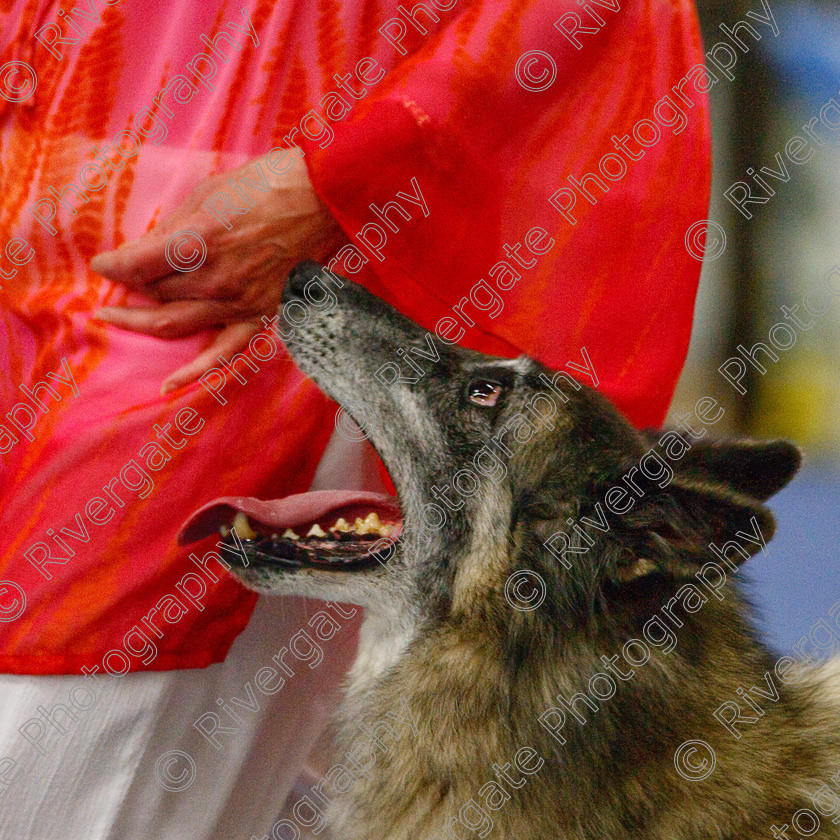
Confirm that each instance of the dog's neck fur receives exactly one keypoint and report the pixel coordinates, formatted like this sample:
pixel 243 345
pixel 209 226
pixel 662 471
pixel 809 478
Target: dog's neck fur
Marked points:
pixel 476 686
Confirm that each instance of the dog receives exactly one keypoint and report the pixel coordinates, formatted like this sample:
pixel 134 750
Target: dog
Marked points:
pixel 552 607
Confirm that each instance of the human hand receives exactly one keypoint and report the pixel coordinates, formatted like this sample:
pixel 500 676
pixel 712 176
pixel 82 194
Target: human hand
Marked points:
pixel 241 278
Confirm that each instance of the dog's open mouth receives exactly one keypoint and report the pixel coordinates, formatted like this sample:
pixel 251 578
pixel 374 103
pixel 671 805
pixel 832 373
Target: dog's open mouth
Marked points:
pixel 332 530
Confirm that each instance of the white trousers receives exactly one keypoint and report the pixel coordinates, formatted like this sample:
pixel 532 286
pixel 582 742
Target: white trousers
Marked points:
pixel 132 766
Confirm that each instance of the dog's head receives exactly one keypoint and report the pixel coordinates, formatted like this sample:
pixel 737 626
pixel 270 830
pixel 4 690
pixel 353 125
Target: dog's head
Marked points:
pixel 502 468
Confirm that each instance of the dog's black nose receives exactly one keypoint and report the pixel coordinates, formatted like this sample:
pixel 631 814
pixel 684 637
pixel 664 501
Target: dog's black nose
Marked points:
pixel 299 276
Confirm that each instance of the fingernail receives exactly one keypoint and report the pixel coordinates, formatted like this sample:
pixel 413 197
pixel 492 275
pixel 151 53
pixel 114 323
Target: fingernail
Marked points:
pixel 167 388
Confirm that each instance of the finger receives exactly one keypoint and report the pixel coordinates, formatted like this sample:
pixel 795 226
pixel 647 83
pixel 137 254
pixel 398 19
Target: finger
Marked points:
pixel 186 286
pixel 168 320
pixel 230 340
pixel 234 284
pixel 136 263
pixel 150 257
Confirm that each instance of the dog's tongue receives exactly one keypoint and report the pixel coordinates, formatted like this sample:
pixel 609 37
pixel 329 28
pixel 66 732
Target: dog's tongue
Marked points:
pixel 279 514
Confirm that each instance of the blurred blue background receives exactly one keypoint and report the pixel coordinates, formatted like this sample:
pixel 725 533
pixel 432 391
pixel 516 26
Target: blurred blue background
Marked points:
pixel 784 252
pixel 796 582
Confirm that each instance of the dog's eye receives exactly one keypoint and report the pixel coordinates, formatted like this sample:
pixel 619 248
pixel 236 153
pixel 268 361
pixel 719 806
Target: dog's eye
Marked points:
pixel 484 392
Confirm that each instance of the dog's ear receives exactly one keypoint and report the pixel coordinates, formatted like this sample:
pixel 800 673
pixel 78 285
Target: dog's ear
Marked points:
pixel 755 468
pixel 712 508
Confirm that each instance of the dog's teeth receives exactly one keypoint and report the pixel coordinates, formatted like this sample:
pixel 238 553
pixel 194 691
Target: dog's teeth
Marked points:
pixel 224 530
pixel 386 530
pixel 359 526
pixel 316 531
pixel 289 534
pixel 243 527
pixel 342 526
pixel 371 524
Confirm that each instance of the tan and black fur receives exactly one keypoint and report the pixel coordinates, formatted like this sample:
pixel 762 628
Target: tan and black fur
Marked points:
pixel 478 674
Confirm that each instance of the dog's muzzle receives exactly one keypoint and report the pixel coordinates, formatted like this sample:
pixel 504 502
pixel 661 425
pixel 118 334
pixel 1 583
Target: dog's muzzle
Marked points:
pixel 332 530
